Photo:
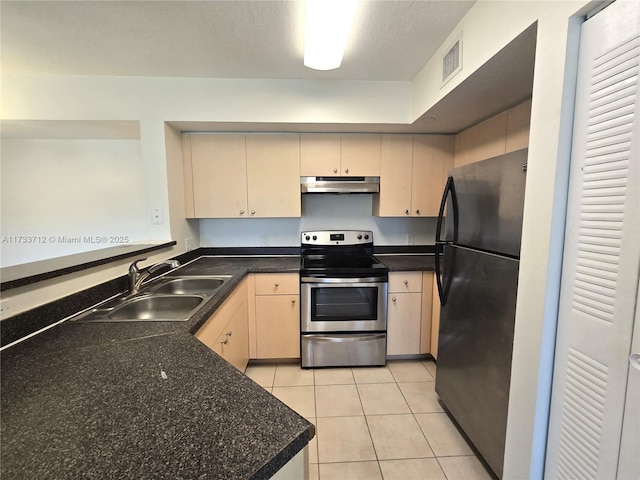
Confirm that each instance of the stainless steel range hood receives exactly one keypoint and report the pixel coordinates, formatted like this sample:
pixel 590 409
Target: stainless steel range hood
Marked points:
pixel 340 184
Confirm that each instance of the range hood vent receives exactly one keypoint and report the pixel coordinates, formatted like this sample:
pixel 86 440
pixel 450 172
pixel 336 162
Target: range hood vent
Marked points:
pixel 340 184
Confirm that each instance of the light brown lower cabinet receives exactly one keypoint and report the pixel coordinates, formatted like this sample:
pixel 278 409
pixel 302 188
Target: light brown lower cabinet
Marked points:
pixel 428 320
pixel 226 331
pixel 435 319
pixel 277 316
pixel 409 313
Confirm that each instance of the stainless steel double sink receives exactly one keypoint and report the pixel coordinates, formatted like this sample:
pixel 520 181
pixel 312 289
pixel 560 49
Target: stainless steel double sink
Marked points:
pixel 167 299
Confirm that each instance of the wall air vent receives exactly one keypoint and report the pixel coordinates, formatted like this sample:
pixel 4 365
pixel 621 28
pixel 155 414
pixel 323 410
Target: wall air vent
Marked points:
pixel 452 60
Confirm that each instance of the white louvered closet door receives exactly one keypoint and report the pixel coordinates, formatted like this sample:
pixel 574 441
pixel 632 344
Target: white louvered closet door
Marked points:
pixel 602 254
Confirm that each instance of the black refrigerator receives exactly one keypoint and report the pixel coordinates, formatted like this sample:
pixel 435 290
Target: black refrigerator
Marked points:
pixel 478 233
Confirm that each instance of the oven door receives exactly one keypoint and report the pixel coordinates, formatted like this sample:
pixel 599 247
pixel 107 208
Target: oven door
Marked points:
pixel 343 305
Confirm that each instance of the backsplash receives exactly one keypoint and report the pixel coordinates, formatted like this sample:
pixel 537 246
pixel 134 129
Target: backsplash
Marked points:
pixel 319 212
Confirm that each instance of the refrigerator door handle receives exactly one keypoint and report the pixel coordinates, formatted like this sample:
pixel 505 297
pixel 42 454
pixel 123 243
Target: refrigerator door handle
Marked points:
pixel 443 203
pixel 448 189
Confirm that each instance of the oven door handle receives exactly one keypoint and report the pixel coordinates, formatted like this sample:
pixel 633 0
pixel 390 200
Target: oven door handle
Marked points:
pixel 347 338
pixel 342 280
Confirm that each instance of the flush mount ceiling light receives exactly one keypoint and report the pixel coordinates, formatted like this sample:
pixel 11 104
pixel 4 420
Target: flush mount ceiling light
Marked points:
pixel 327 27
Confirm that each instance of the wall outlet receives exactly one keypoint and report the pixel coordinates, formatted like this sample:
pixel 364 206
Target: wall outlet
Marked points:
pixel 156 216
pixel 188 244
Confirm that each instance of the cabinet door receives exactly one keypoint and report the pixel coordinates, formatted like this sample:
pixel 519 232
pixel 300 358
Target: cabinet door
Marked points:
pixel 394 199
pixel 273 175
pixel 432 160
pixel 482 141
pixel 319 155
pixel 277 283
pixel 219 176
pixel 360 155
pixel 278 326
pixel 404 282
pixel 518 120
pixel 234 340
pixel 403 323
pixel 435 320
pixel 427 312
pixel 232 317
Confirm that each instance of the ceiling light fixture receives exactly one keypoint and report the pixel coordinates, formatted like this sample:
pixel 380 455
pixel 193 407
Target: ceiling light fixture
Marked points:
pixel 327 27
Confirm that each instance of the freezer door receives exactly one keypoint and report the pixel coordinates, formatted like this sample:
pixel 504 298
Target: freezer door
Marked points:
pixel 475 346
pixel 490 200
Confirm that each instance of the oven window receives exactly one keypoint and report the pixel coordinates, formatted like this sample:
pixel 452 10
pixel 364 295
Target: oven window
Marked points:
pixel 344 303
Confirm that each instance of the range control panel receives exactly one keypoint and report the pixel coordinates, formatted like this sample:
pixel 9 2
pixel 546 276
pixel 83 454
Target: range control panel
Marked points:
pixel 337 237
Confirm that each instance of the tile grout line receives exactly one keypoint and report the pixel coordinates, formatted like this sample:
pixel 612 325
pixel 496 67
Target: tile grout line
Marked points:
pixel 375 451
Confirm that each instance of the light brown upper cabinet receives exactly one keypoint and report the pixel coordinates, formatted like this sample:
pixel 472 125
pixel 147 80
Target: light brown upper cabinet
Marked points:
pixel 504 133
pixel 340 155
pixel 219 176
pixel 319 155
pixel 413 174
pixel 241 176
pixel 273 175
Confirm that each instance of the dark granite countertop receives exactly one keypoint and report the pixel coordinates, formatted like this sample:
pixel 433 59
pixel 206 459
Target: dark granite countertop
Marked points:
pixel 91 399
pixel 406 263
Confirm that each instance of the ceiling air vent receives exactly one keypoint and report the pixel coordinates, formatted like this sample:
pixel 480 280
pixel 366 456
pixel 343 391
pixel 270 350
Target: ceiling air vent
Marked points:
pixel 451 60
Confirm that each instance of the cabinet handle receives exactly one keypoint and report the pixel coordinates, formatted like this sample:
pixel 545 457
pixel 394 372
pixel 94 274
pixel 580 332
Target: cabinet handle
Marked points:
pixel 224 342
pixel 417 212
pixel 229 333
pixel 277 285
pixel 346 170
pixel 406 282
pixel 241 212
pixel 293 301
pixel 253 212
pixel 335 170
pixel 393 299
pixel 406 212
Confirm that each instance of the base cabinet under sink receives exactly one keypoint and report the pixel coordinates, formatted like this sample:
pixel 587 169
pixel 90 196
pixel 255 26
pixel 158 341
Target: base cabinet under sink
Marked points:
pixel 226 332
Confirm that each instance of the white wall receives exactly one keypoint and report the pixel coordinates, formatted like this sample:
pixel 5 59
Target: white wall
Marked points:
pixel 63 191
pixel 319 212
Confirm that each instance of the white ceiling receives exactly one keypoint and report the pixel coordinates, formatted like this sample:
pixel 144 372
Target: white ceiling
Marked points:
pixel 391 41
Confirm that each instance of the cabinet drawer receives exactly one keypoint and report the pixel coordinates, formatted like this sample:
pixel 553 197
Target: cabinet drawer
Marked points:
pixel 400 282
pixel 277 284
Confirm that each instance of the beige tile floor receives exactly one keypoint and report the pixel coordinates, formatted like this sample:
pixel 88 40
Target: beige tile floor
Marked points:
pixel 374 423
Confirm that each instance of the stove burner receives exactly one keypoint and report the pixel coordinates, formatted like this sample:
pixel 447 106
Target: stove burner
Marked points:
pixel 351 257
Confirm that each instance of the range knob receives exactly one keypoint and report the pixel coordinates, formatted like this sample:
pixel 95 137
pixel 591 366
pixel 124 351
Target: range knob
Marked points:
pixel 315 237
pixel 307 237
pixel 359 237
pixel 366 237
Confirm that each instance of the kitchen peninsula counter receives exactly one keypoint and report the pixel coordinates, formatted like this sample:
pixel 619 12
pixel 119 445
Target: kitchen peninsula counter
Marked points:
pixel 143 400
pixel 147 399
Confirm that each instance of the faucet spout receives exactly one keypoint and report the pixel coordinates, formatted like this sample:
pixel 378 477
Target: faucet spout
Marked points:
pixel 137 276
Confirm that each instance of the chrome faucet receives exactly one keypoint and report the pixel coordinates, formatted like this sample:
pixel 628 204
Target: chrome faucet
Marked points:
pixel 137 276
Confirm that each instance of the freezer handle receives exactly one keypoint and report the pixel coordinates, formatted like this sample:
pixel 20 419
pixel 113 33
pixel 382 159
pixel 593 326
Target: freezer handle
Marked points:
pixel 440 243
pixel 443 203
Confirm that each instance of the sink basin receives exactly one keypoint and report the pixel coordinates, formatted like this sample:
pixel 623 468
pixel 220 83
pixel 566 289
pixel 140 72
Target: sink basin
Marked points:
pixel 168 299
pixel 146 308
pixel 189 285
pixel 157 308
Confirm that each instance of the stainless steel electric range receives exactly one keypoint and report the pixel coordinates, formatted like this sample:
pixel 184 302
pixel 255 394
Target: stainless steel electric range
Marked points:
pixel 343 291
